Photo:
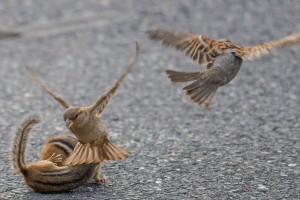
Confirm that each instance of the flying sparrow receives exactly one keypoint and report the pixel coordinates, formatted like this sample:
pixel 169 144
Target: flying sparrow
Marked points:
pixel 93 144
pixel 222 59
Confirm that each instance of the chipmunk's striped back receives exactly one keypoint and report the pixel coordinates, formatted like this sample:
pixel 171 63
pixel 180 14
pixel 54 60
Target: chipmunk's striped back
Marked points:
pixel 62 144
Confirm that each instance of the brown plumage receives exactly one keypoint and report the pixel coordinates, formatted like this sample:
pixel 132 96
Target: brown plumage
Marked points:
pixel 94 145
pixel 46 175
pixel 222 59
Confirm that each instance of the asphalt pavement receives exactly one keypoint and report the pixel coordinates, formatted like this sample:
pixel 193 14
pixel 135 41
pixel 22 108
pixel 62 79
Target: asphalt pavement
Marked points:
pixel 245 146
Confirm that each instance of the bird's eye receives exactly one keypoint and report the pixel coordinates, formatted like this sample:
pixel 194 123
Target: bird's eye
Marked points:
pixel 77 114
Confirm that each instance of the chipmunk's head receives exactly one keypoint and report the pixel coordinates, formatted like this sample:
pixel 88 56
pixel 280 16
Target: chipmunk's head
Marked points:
pixel 76 118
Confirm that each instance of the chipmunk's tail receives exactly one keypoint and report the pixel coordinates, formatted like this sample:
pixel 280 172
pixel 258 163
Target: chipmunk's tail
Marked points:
pixel 20 141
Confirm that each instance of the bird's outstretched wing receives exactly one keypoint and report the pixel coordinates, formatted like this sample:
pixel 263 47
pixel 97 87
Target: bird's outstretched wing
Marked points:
pixel 35 76
pixel 198 48
pixel 103 101
pixel 257 51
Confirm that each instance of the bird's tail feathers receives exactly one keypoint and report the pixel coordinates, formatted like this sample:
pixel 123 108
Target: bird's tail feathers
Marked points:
pixel 113 152
pixel 87 153
pixel 201 92
pixel 176 76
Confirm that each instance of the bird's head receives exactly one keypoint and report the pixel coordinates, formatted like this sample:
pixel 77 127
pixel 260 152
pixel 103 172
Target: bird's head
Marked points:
pixel 81 119
pixel 76 118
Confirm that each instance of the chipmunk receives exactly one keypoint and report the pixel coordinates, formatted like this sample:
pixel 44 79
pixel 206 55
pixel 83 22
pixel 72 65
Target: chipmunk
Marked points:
pixel 93 144
pixel 48 175
pixel 63 145
pixel 222 58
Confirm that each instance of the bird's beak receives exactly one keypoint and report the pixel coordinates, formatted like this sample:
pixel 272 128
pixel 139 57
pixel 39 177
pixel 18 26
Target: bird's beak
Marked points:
pixel 69 123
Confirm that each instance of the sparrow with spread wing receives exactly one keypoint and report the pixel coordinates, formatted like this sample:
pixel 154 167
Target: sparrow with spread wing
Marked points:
pixel 93 144
pixel 222 59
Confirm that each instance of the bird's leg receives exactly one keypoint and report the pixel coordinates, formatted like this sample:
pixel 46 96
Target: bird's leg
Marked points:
pixel 99 180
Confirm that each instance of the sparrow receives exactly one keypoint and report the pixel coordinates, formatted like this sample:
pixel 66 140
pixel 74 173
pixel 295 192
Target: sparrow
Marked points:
pixel 222 59
pixel 93 144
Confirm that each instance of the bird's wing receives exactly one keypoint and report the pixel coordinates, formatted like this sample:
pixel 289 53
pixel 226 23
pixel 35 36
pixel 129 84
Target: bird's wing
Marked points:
pixel 103 101
pixel 35 76
pixel 198 48
pixel 255 52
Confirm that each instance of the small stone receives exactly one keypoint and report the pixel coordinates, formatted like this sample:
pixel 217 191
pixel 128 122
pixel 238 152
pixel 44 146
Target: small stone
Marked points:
pixel 200 188
pixel 283 174
pixel 229 172
pixel 57 128
pixel 183 191
pixel 296 172
pixel 265 153
pixel 262 188
pixel 292 165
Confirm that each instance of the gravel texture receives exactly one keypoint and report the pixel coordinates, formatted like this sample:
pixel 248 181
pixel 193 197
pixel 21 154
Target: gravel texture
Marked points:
pixel 245 146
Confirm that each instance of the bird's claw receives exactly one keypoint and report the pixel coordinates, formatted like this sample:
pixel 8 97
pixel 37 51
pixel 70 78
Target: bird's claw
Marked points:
pixel 100 181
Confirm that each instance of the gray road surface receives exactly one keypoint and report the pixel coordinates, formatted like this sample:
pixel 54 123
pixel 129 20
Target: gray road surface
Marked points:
pixel 249 136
